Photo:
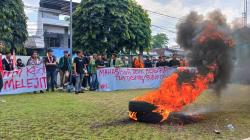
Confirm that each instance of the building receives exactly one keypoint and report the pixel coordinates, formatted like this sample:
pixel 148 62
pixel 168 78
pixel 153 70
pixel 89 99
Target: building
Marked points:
pixel 168 52
pixel 52 26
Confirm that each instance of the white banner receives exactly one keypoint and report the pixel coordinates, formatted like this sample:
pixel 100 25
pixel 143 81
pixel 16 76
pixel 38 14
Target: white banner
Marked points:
pixel 111 79
pixel 27 79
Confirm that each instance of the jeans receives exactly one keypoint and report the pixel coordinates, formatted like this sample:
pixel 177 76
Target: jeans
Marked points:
pixel 85 81
pixel 51 75
pixel 94 82
pixel 64 77
pixel 78 84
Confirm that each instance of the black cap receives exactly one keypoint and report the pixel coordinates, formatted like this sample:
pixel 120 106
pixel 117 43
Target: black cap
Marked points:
pixel 65 51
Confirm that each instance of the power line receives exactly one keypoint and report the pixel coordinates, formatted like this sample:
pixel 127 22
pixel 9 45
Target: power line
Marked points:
pixel 153 12
pixel 112 20
pixel 158 13
pixel 156 26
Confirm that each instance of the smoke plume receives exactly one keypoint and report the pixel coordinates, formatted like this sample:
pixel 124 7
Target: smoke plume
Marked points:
pixel 209 42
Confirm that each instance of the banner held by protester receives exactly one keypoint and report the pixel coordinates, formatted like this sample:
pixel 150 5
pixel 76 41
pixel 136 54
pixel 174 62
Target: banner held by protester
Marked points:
pixel 111 79
pixel 27 79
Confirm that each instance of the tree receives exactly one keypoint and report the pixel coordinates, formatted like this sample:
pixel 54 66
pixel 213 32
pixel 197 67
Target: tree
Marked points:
pixel 160 40
pixel 111 26
pixel 13 25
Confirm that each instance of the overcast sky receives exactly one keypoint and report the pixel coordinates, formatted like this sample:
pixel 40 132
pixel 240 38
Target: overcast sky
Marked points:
pixel 177 8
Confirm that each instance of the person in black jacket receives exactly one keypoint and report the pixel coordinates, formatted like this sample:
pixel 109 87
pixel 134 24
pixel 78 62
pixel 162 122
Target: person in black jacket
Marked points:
pixel 174 62
pixel 7 62
pixel 148 63
pixel 65 66
pixel 51 66
pixel 162 62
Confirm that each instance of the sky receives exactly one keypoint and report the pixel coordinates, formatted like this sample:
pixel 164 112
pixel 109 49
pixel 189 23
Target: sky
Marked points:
pixel 176 8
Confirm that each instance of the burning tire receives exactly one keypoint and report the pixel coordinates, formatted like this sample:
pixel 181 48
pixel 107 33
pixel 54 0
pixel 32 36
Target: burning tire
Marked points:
pixel 144 112
pixel 135 106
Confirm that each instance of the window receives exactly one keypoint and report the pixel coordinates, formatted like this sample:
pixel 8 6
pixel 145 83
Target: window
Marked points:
pixel 52 42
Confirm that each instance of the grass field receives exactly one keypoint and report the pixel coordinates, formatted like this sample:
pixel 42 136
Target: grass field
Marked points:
pixel 104 116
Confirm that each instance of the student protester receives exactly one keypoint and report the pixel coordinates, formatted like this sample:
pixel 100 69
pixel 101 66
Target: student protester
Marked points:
pixel 1 66
pixel 93 71
pixel 125 61
pixel 133 63
pixel 65 65
pixel 165 63
pixel 159 62
pixel 8 62
pixel 34 60
pixel 86 77
pixel 148 63
pixel 183 62
pixel 174 62
pixel 20 64
pixel 51 66
pixel 138 63
pixel 115 61
pixel 106 62
pixel 162 62
pixel 100 62
pixel 78 71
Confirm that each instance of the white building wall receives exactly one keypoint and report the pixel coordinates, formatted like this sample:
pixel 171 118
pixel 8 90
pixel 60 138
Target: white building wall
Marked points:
pixel 54 29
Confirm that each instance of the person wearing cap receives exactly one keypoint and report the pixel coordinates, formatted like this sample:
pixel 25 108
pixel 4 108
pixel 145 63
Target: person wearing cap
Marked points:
pixel 51 66
pixel 115 61
pixel 65 65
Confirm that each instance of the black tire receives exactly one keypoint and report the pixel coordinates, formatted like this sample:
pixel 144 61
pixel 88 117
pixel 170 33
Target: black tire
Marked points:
pixel 151 117
pixel 141 107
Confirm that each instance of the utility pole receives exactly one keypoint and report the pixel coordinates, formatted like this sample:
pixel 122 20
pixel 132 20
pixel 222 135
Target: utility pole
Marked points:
pixel 245 14
pixel 71 29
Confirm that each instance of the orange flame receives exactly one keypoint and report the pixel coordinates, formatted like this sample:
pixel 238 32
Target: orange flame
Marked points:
pixel 171 96
pixel 211 33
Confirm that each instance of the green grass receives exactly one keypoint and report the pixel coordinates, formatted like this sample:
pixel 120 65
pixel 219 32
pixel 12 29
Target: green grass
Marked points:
pixel 104 116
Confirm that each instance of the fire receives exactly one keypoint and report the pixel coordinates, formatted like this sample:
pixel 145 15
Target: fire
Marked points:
pixel 171 96
pixel 184 86
pixel 210 32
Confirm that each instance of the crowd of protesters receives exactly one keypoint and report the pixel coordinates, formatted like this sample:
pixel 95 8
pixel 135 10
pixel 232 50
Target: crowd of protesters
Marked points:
pixel 81 71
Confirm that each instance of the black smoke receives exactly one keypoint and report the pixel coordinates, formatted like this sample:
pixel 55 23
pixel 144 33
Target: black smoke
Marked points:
pixel 213 50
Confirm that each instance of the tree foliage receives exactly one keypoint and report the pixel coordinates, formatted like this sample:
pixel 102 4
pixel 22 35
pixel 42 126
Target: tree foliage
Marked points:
pixel 160 40
pixel 13 26
pixel 101 25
